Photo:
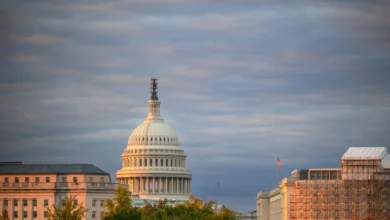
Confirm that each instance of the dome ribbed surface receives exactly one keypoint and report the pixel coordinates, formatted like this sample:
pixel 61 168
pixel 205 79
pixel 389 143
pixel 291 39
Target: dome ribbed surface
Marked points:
pixel 151 133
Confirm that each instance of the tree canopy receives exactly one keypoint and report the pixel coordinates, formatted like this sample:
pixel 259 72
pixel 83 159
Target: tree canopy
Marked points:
pixel 120 207
pixel 68 209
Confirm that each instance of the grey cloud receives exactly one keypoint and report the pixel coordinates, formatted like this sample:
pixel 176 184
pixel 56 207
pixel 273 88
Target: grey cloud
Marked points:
pixel 242 82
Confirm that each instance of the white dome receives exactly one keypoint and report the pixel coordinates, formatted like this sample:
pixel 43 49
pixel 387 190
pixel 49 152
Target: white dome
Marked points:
pixel 153 133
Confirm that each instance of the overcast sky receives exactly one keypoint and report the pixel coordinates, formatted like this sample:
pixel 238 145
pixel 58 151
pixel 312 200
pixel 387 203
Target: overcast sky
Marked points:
pixel 242 82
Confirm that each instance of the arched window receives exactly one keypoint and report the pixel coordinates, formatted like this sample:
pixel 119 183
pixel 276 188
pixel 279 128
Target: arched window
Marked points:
pixel 140 162
pixel 151 162
pixel 162 162
pixel 164 139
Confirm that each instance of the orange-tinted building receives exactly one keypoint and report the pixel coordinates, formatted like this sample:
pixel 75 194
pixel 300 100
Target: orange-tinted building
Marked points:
pixel 359 189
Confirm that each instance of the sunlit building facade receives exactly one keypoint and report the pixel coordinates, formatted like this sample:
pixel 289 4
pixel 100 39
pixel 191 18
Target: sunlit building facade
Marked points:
pixel 359 189
pixel 153 163
pixel 27 190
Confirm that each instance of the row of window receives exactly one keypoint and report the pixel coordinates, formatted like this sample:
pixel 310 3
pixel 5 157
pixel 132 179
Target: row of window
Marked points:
pixel 25 214
pixel 25 202
pixel 94 203
pixel 26 179
pixel 155 140
pixel 47 179
pixel 132 162
pixel 94 214
pixel 324 176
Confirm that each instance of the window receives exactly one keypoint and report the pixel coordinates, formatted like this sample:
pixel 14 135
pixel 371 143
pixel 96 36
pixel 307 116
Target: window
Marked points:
pixel 93 203
pixel 16 179
pixel 93 214
pixel 35 214
pixel 15 214
pixel 45 214
pixel 24 214
pixel 90 179
pixel 15 202
pixel 6 180
pixel 34 202
pixel 45 202
pixel 156 162
pixel 175 163
pixel 63 179
pixel 171 162
pixel 75 179
pixel 5 203
pixel 162 162
pixel 146 162
pixel 151 162
pixel 48 179
pixel 37 179
pixel 25 202
pixel 26 179
pixel 140 162
pixel 101 203
pixel 166 162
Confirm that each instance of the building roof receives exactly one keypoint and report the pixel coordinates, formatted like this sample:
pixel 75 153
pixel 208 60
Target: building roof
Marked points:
pixel 9 168
pixel 365 153
pixel 386 162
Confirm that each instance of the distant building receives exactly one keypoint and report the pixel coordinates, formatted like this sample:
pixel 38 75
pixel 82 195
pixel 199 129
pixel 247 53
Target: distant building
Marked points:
pixel 252 215
pixel 27 189
pixel 359 189
pixel 153 164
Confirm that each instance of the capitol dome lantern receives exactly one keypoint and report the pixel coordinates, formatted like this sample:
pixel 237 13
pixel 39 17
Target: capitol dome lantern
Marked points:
pixel 153 163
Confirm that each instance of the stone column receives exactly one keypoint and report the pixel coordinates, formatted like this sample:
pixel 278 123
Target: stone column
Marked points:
pixel 177 185
pixel 171 188
pixel 147 184
pixel 142 184
pixel 166 185
pixel 154 186
pixel 160 184
pixel 185 186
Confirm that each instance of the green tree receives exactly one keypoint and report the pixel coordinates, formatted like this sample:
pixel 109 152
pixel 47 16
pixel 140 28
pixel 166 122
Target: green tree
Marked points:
pixel 120 207
pixel 68 209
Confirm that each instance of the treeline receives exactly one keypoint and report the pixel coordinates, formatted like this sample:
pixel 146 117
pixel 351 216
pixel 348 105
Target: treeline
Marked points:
pixel 120 208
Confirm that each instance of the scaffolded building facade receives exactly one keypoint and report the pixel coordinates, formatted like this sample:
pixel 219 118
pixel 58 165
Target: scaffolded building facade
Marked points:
pixel 358 190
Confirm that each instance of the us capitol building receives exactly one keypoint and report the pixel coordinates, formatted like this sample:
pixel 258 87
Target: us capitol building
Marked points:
pixel 153 164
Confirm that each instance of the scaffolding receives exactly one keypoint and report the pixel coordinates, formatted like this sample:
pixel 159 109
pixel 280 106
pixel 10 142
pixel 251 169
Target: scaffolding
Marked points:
pixel 359 194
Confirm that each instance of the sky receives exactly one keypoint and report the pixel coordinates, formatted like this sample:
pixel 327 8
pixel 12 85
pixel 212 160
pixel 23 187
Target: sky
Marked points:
pixel 242 82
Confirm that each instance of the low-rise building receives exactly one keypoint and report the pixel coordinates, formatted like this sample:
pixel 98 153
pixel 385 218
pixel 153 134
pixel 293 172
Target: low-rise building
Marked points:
pixel 26 190
pixel 359 189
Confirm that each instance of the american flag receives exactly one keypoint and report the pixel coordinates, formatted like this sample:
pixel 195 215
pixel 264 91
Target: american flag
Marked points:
pixel 279 163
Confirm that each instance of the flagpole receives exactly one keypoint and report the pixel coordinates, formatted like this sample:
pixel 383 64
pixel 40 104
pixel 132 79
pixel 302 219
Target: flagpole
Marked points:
pixel 277 174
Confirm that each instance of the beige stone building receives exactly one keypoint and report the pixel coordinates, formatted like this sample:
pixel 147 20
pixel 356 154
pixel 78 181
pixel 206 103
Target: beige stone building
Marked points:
pixel 26 190
pixel 359 189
